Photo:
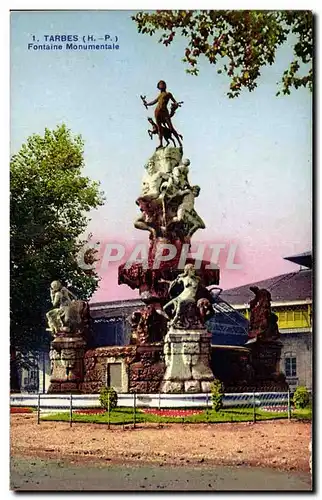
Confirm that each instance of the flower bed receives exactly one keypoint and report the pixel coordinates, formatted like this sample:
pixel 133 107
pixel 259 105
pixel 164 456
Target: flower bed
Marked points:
pixel 151 411
pixel 280 408
pixel 20 409
pixel 172 413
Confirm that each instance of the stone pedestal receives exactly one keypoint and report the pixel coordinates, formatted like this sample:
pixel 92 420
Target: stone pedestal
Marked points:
pixel 266 356
pixel 266 359
pixel 187 358
pixel 67 365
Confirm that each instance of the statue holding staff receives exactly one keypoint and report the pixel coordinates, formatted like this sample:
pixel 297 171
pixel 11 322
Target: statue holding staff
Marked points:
pixel 161 113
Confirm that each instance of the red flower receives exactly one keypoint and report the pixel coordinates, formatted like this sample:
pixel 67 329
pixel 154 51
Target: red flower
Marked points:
pixel 172 413
pixel 20 409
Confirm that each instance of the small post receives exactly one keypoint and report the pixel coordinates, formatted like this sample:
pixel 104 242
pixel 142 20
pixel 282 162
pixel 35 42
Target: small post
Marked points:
pixel 71 410
pixel 134 410
pixel 207 402
pixel 159 424
pixel 254 408
pixel 108 410
pixel 43 372
pixel 289 404
pixel 38 409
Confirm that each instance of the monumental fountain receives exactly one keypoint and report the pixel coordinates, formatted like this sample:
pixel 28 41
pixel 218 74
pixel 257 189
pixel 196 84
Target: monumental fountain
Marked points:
pixel 170 347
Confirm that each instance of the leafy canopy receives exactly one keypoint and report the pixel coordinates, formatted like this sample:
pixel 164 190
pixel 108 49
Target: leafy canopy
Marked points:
pixel 239 42
pixel 50 199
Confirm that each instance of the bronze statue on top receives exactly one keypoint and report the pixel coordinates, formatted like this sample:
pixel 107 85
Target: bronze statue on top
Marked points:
pixel 162 115
pixel 165 131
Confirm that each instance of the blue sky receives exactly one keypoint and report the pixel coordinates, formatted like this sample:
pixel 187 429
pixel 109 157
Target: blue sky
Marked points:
pixel 251 156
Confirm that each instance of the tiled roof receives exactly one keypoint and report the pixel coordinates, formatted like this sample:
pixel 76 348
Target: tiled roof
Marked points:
pixel 284 288
pixel 302 259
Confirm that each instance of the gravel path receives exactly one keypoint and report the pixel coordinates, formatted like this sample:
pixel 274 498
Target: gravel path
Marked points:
pixel 176 454
pixel 53 475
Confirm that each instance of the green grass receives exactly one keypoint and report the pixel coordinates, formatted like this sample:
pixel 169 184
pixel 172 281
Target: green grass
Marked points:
pixel 125 416
pixel 304 413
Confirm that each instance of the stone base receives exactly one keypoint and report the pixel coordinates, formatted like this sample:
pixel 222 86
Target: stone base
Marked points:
pixel 187 358
pixel 67 364
pixel 266 359
pixel 145 374
pixel 64 387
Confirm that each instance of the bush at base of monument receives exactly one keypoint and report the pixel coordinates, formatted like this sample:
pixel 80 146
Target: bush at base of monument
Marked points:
pixel 217 393
pixel 301 397
pixel 108 398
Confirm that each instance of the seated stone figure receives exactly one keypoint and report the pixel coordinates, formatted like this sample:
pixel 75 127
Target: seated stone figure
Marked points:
pixel 263 322
pixel 69 314
pixel 182 308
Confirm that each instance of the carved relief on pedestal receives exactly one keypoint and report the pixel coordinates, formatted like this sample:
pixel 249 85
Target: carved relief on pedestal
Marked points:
pixel 187 359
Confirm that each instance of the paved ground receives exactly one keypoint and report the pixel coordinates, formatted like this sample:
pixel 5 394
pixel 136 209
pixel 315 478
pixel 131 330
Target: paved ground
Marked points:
pixel 30 474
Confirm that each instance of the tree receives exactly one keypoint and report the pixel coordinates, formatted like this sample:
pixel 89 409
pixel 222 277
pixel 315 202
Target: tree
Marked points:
pixel 49 202
pixel 240 43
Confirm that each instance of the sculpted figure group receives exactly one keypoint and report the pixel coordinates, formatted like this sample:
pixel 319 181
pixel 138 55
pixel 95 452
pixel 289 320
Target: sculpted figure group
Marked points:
pixel 69 315
pixel 167 199
pixel 263 322
pixel 189 305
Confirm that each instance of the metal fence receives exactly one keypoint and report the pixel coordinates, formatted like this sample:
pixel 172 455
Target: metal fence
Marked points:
pixel 134 410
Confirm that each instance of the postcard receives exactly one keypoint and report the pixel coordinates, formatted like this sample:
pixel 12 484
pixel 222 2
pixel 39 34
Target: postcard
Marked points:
pixel 161 250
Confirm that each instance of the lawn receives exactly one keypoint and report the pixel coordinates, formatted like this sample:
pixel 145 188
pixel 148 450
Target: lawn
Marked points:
pixel 125 416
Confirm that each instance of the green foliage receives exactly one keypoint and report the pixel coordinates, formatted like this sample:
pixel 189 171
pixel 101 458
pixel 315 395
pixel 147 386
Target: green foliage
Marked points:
pixel 49 202
pixel 301 397
pixel 217 393
pixel 239 42
pixel 108 398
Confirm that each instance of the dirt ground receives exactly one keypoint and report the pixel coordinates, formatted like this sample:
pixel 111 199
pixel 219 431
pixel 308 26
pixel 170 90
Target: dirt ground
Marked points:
pixel 276 444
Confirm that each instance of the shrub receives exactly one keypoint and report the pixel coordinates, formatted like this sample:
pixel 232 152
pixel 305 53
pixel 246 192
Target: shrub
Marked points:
pixel 108 398
pixel 217 393
pixel 301 397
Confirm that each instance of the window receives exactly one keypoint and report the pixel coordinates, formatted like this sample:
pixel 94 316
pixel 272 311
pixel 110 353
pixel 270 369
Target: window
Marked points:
pixel 298 315
pixel 114 375
pixel 289 316
pixel 290 364
pixel 33 375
